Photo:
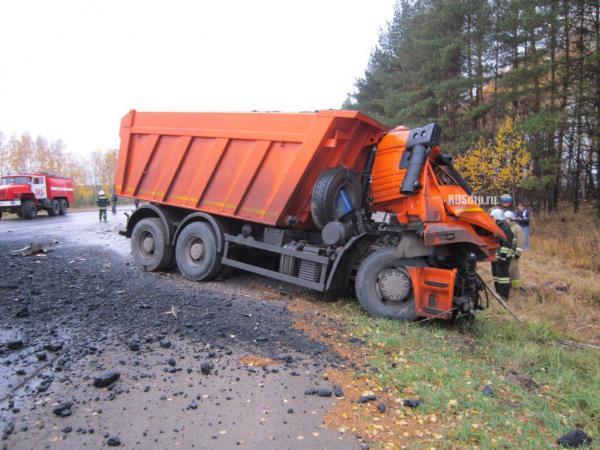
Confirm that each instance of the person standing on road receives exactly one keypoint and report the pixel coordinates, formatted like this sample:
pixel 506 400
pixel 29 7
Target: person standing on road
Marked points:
pixel 113 200
pixel 102 202
pixel 517 249
pixel 500 267
pixel 523 218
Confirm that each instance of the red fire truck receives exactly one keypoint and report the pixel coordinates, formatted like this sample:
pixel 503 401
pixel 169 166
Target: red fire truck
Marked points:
pixel 26 193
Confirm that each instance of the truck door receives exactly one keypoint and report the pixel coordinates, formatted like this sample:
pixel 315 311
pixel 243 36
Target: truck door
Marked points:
pixel 38 186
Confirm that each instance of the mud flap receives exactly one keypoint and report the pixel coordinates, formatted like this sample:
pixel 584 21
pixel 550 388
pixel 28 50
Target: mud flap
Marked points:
pixel 434 291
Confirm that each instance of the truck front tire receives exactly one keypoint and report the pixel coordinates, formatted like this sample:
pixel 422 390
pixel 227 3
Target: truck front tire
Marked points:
pixel 371 276
pixel 63 206
pixel 149 248
pixel 28 209
pixel 196 252
pixel 54 209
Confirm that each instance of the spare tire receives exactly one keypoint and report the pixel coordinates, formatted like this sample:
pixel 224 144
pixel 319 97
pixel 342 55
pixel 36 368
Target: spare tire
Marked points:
pixel 325 202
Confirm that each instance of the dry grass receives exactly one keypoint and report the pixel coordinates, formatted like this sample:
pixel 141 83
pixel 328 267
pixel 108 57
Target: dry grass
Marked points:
pixel 573 239
pixel 561 275
pixel 574 313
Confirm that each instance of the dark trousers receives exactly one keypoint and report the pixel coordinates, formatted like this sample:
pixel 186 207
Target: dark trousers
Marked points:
pixel 114 207
pixel 102 213
pixel 501 277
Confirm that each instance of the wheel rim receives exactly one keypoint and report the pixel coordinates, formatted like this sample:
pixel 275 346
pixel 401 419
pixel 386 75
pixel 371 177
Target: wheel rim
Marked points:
pixel 147 244
pixel 393 286
pixel 195 251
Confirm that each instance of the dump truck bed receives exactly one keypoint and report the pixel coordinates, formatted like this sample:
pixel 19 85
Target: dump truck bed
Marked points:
pixel 258 167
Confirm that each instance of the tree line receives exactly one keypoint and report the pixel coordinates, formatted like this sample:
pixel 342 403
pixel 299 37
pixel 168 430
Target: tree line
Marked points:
pixel 89 173
pixel 471 64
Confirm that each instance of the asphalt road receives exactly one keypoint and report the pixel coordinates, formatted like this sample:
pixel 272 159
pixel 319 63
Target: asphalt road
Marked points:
pixel 189 355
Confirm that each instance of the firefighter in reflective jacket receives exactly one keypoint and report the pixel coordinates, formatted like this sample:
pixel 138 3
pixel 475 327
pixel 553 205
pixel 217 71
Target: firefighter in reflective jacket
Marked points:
pixel 500 267
pixel 518 245
pixel 102 202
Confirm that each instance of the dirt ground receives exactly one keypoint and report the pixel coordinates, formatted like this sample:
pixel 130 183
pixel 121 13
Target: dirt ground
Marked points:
pixel 213 365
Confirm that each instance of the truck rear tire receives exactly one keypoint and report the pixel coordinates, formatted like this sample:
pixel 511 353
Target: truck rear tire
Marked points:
pixel 196 252
pixel 28 209
pixel 149 248
pixel 323 204
pixel 54 209
pixel 382 270
pixel 63 207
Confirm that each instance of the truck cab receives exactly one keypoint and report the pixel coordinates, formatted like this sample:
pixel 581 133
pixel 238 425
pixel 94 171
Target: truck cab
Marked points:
pixel 24 194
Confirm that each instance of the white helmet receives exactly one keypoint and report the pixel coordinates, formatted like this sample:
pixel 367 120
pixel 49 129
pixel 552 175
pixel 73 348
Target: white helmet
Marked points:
pixel 101 193
pixel 497 214
pixel 510 215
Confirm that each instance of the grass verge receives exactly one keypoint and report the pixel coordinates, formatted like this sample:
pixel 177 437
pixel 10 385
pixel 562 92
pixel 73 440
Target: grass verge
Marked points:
pixel 541 389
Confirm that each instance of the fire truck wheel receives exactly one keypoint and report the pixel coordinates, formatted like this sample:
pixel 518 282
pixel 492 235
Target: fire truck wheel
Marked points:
pixel 196 252
pixel 383 286
pixel 28 209
pixel 63 207
pixel 54 209
pixel 326 203
pixel 149 248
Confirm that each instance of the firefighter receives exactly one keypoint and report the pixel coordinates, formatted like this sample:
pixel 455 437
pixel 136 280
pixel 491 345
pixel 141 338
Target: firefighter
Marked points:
pixel 113 200
pixel 517 249
pixel 506 202
pixel 500 267
pixel 102 201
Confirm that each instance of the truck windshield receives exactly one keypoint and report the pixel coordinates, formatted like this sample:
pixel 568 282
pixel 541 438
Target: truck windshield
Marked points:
pixel 15 180
pixel 443 175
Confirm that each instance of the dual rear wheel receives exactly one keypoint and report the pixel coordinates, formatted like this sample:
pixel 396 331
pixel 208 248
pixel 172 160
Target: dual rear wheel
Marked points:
pixel 58 207
pixel 195 252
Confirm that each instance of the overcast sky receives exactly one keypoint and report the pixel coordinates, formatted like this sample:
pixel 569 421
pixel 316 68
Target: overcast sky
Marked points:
pixel 71 69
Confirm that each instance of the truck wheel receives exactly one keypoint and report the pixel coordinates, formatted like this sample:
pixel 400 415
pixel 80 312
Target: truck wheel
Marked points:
pixel 63 207
pixel 149 247
pixel 196 252
pixel 383 285
pixel 19 213
pixel 28 209
pixel 325 204
pixel 54 209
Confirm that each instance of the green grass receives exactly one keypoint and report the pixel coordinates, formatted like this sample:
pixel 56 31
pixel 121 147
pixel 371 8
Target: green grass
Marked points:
pixel 542 389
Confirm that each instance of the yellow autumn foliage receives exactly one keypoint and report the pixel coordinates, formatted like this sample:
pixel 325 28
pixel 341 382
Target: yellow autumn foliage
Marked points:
pixel 500 167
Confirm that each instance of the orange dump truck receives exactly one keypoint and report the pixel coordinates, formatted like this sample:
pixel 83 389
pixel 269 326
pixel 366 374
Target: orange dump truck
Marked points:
pixel 293 197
